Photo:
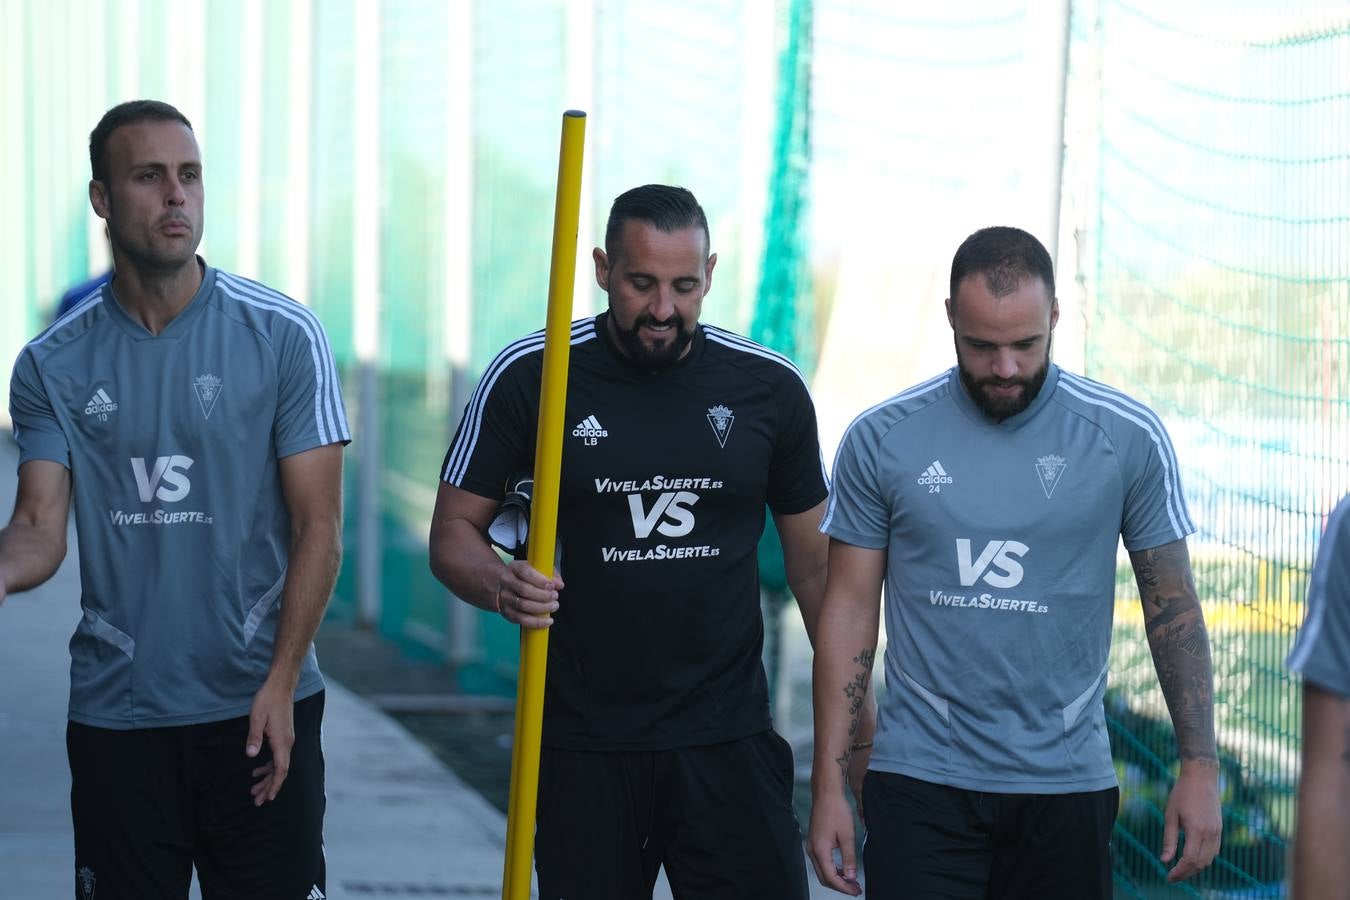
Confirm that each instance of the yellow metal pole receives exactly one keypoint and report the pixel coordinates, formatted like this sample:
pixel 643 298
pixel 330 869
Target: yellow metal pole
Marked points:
pixel 544 509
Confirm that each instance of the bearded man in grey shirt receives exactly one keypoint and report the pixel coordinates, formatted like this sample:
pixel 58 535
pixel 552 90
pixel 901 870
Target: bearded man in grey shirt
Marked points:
pixel 990 501
pixel 195 419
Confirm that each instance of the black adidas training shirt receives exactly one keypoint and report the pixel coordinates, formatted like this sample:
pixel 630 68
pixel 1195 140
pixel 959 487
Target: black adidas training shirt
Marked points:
pixel 665 476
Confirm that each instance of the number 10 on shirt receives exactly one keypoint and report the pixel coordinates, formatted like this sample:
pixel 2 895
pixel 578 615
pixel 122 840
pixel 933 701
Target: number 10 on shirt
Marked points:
pixel 544 509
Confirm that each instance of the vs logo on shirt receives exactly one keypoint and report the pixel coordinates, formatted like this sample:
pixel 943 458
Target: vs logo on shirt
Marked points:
pixel 166 479
pixel 997 563
pixel 671 510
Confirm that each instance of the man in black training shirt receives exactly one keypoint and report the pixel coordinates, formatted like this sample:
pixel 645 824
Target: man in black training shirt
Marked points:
pixel 657 747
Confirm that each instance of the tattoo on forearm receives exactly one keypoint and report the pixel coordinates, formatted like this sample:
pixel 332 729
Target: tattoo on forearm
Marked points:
pixel 856 692
pixel 1180 646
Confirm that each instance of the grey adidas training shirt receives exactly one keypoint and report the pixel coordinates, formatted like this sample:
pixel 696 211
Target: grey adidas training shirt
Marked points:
pixel 173 442
pixel 1001 559
pixel 1322 650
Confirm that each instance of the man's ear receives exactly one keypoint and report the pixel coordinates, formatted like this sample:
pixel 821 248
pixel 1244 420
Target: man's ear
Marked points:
pixel 951 317
pixel 1054 313
pixel 707 273
pixel 98 198
pixel 601 268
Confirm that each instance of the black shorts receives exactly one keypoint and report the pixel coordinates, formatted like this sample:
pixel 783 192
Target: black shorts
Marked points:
pixel 719 818
pixel 933 842
pixel 149 804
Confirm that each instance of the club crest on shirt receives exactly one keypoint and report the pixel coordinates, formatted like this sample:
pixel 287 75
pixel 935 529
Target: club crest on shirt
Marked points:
pixel 207 388
pixel 721 419
pixel 1050 469
pixel 87 881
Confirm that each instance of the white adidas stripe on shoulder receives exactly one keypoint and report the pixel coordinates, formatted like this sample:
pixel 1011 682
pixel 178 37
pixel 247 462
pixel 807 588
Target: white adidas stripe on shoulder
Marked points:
pixel 83 305
pixel 1157 431
pixel 910 393
pixel 918 390
pixel 1311 630
pixel 745 345
pixel 325 423
pixel 457 462
pixel 1124 406
pixel 329 417
pixel 325 349
pixel 457 459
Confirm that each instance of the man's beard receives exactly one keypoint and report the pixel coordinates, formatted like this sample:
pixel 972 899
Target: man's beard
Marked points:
pixel 1000 408
pixel 662 356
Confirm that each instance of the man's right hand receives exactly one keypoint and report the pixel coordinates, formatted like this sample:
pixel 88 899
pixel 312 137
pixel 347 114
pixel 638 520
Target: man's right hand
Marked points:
pixel 832 829
pixel 525 597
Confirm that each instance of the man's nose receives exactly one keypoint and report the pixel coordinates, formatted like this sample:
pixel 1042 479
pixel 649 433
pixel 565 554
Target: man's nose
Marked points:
pixel 1005 363
pixel 176 195
pixel 663 305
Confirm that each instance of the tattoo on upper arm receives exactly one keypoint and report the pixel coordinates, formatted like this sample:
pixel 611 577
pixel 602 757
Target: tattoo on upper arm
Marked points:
pixel 856 692
pixel 1179 642
pixel 1345 747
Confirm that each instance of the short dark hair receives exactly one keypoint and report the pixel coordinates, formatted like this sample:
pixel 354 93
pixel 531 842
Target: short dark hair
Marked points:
pixel 664 206
pixel 128 113
pixel 1006 257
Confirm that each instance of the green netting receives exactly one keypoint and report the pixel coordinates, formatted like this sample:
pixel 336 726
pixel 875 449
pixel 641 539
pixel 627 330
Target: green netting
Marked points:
pixel 414 409
pixel 332 202
pixel 783 318
pixel 1219 294
pixel 223 145
pixel 331 213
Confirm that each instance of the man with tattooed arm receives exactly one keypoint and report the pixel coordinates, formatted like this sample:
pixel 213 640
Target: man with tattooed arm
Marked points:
pixel 989 501
pixel 1322 654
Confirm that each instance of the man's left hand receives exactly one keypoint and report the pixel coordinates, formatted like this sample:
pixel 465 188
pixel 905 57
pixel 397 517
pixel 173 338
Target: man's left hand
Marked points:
pixel 272 716
pixel 1193 808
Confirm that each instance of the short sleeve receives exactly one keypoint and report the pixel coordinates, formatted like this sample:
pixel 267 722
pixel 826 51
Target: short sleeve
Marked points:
pixel 859 513
pixel 309 412
pixel 1322 649
pixel 796 473
pixel 36 428
pixel 495 437
pixel 1155 507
